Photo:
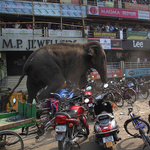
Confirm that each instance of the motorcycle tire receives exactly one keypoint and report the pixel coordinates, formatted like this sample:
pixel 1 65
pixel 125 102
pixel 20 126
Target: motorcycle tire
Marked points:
pixel 130 96
pixel 65 145
pixel 118 99
pixel 132 130
pixel 145 138
pixel 143 92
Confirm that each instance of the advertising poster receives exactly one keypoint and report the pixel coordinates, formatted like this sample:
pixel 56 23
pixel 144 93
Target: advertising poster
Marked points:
pixel 138 35
pixel 137 72
pixel 110 74
pixel 108 43
pixel 105 35
pixel 136 6
pixel 101 3
pixel 115 12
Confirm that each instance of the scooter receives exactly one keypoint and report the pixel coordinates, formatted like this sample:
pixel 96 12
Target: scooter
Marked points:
pixel 106 128
pixel 71 125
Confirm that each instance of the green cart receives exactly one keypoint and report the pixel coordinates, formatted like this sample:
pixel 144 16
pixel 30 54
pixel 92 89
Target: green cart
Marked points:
pixel 27 117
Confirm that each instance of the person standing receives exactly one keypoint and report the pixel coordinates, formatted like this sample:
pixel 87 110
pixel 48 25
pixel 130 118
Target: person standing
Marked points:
pixel 145 60
pixel 138 60
pixel 17 25
pixel 28 26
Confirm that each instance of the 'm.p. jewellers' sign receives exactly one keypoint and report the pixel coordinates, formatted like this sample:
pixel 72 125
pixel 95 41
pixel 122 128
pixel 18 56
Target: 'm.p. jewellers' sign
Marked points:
pixel 23 44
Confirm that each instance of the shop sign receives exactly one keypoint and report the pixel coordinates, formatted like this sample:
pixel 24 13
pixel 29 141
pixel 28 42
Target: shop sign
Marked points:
pixel 137 72
pixel 140 35
pixel 143 15
pixel 65 33
pixel 44 9
pixel 108 43
pixel 109 4
pixel 21 32
pixel 136 6
pixel 105 35
pixel 135 45
pixel 115 12
pixel 70 1
pixel 26 43
pixel 116 44
pixel 101 3
pixel 110 74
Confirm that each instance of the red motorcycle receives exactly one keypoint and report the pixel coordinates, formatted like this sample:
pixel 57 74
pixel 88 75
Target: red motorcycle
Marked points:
pixel 71 125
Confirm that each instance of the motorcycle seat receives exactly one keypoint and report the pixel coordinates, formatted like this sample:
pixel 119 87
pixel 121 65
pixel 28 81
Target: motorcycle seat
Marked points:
pixel 69 113
pixel 104 113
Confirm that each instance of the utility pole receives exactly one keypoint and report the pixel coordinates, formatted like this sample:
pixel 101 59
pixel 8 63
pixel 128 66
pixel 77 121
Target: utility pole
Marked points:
pixel 33 19
pixel 82 18
pixel 61 20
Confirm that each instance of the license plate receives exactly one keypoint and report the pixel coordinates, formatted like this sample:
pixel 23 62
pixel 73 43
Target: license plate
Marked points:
pixel 108 139
pixel 109 144
pixel 60 128
pixel 90 105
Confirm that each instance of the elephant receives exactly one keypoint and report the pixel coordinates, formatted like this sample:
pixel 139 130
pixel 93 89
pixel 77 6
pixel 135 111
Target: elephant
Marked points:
pixel 51 65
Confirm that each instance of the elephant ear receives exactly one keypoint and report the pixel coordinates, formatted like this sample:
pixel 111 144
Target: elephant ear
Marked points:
pixel 92 52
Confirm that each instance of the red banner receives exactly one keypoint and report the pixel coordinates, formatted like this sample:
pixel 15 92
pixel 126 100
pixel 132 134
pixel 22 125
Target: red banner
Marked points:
pixel 110 74
pixel 115 12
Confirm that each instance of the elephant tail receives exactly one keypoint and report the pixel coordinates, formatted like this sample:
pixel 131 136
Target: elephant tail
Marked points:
pixel 6 99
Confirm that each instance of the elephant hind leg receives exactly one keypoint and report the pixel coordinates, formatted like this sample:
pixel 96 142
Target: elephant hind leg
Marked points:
pixel 32 89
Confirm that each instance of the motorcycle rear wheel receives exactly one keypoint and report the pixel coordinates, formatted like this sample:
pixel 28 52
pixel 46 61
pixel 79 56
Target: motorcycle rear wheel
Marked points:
pixel 145 138
pixel 64 145
pixel 130 96
pixel 143 92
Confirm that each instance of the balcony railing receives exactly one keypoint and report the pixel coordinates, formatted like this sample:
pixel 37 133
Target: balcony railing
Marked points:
pixel 130 65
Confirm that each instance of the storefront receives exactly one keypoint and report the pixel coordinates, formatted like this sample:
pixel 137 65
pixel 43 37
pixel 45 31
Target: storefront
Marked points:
pixel 133 49
pixel 16 50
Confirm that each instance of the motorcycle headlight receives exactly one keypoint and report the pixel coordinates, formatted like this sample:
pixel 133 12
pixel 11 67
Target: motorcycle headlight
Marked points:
pixel 88 88
pixel 86 100
pixel 97 128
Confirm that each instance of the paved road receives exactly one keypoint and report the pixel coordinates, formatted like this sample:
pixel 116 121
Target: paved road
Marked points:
pixel 47 141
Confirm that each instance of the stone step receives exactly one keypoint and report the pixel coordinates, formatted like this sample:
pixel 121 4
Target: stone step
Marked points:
pixel 11 81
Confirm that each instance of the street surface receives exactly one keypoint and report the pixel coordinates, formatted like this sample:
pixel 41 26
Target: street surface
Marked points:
pixel 47 141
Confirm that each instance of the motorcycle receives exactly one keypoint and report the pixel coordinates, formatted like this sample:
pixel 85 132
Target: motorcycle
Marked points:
pixel 106 128
pixel 71 125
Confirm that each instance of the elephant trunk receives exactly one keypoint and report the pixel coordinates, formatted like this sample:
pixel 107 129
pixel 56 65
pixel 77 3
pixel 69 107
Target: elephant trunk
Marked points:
pixel 103 73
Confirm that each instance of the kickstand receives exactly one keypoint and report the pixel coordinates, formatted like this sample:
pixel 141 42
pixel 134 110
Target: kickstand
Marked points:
pixel 78 145
pixel 144 146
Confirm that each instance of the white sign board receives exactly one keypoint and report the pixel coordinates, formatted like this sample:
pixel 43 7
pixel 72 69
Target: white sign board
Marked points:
pixel 106 43
pixel 18 43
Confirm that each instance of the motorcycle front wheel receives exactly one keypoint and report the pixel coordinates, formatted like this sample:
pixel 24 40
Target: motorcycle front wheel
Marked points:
pixel 131 128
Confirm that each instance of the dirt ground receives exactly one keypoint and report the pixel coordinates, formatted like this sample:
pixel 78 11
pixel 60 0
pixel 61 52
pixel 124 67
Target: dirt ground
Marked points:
pixel 48 142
